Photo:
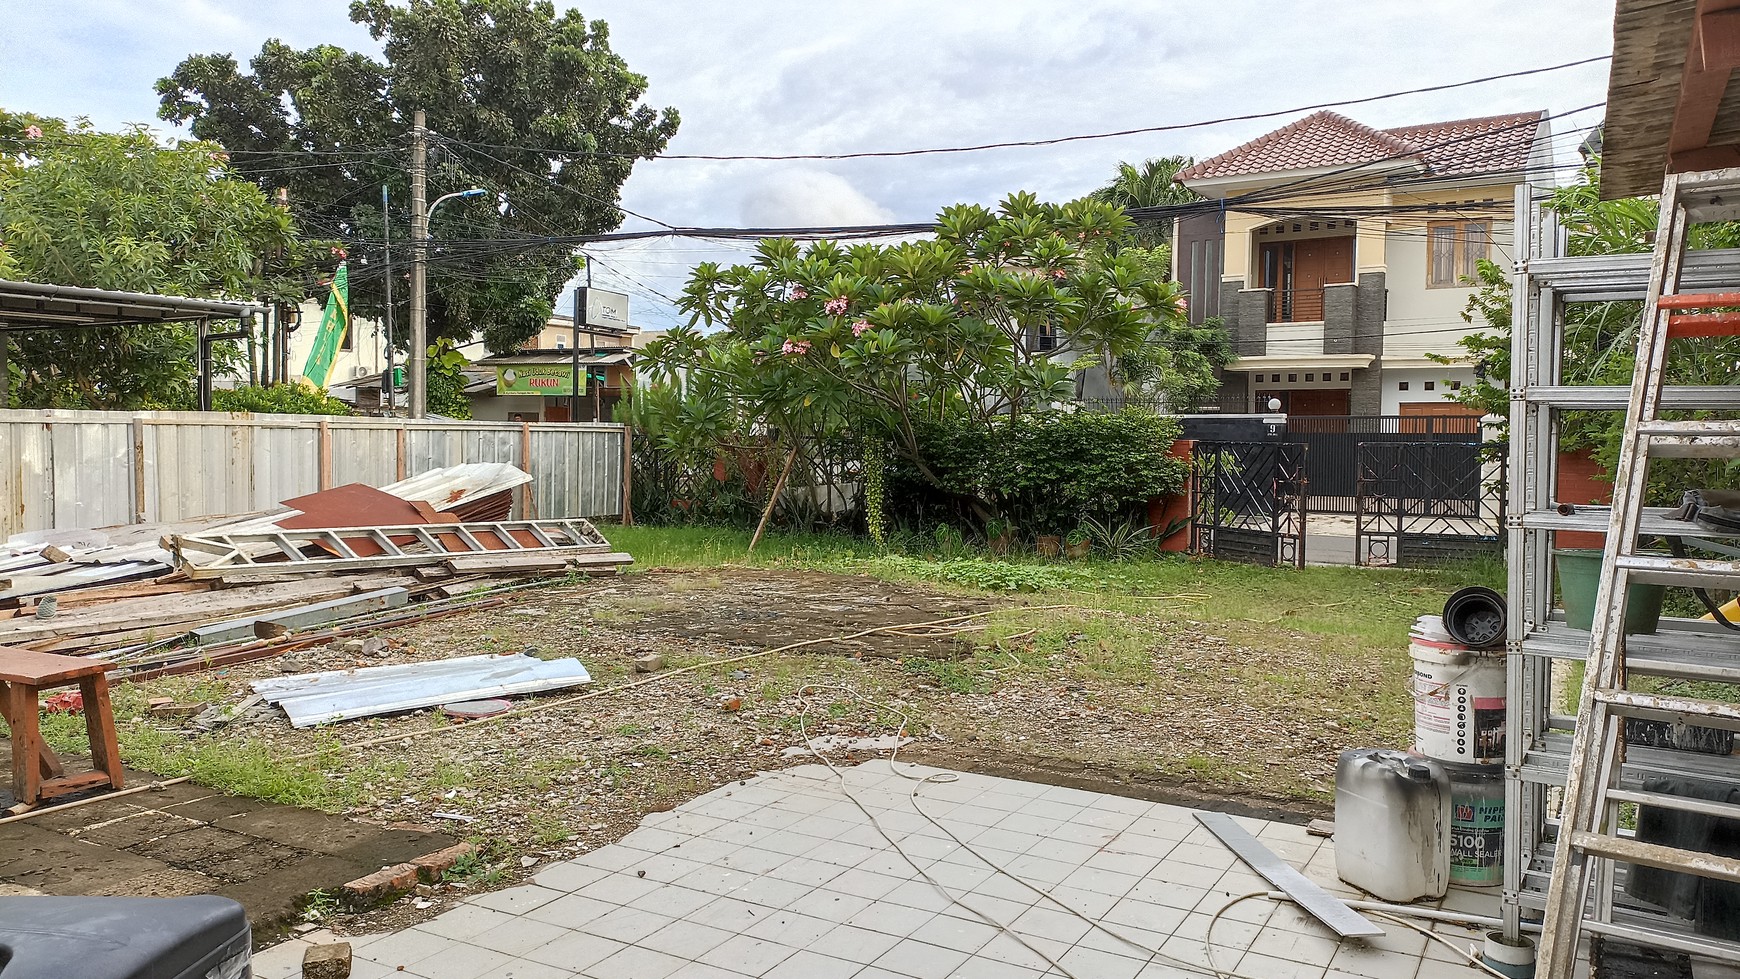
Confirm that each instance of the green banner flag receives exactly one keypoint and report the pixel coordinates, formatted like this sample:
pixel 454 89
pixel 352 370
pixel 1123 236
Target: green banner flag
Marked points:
pixel 334 324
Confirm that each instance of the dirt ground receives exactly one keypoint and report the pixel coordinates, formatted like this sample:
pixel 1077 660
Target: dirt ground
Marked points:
pixel 1180 722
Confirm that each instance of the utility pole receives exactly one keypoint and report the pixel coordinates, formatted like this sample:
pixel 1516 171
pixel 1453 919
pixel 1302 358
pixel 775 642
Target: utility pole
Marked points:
pixel 387 260
pixel 419 257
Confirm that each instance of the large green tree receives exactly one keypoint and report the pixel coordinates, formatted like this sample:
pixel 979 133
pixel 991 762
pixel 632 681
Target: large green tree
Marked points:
pixel 983 323
pixel 530 105
pixel 120 211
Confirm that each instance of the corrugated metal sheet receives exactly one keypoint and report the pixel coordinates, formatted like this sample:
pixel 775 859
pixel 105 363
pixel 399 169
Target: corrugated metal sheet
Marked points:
pixel 340 695
pixel 70 469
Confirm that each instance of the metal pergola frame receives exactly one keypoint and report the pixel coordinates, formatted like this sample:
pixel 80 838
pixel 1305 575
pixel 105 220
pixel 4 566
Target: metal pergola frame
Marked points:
pixel 32 306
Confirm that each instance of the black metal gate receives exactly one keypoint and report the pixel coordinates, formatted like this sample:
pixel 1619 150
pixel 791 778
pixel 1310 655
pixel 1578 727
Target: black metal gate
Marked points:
pixel 1332 465
pixel 1425 503
pixel 1247 501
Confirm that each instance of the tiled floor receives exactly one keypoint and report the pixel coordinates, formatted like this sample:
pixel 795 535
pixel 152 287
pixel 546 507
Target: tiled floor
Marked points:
pixel 784 878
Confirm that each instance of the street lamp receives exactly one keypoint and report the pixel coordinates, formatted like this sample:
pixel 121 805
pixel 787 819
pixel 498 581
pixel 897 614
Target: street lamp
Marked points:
pixel 419 300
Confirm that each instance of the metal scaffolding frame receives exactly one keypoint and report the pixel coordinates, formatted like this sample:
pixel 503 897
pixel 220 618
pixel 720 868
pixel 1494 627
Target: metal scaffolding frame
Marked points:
pixel 1538 740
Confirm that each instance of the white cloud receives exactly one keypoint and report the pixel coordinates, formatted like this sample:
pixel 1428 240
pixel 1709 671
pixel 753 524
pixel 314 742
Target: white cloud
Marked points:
pixel 807 198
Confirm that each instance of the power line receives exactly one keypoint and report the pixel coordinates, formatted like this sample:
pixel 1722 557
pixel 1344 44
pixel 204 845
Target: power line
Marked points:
pixel 1053 141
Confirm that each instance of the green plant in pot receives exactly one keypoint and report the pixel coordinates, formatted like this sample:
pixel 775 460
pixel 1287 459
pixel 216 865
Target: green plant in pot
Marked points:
pixel 1078 543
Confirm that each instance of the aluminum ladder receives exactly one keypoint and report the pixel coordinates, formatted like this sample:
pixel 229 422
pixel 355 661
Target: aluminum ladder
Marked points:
pixel 1590 842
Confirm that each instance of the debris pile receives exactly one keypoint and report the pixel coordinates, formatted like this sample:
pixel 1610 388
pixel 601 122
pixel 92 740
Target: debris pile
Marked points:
pixel 328 567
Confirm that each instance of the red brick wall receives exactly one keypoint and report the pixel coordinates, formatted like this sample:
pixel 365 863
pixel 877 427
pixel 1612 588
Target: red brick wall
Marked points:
pixel 1162 510
pixel 1579 483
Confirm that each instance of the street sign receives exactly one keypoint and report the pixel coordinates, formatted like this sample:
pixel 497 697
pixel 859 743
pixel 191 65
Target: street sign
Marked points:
pixel 601 308
pixel 555 380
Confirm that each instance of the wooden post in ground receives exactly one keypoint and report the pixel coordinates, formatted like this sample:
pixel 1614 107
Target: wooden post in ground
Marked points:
pixel 627 476
pixel 528 499
pixel 773 498
pixel 324 448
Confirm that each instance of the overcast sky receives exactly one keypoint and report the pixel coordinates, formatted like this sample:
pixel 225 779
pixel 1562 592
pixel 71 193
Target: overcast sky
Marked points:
pixel 798 76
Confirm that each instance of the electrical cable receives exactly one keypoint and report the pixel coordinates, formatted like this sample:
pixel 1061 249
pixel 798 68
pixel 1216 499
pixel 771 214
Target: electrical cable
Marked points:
pixel 1010 144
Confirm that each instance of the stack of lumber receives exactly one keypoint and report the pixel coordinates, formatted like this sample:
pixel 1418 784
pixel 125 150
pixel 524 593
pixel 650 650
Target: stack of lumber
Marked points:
pixel 166 598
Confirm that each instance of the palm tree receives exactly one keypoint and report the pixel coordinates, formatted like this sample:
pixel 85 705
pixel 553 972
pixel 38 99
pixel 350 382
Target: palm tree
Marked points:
pixel 1149 185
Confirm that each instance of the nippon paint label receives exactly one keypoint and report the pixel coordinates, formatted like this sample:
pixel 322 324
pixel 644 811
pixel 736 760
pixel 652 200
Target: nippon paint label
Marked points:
pixel 1477 834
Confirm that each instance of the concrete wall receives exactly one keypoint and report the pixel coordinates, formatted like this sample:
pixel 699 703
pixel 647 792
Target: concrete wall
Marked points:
pixel 1416 378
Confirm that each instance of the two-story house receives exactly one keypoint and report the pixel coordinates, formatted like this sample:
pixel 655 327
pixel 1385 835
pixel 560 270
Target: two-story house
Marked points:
pixel 1340 255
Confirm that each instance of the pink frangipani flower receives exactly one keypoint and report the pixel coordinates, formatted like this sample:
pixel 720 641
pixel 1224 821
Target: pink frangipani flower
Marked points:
pixel 799 292
pixel 860 327
pixel 836 306
pixel 799 347
pixel 33 132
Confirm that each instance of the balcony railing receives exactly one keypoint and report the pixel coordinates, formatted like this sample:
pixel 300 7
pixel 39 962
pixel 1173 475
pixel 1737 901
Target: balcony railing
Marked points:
pixel 1296 305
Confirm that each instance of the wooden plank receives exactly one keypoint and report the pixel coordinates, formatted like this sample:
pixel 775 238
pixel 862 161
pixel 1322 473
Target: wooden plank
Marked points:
pixel 141 614
pixel 30 668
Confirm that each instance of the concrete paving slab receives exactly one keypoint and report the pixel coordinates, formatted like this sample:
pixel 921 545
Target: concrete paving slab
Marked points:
pixel 782 877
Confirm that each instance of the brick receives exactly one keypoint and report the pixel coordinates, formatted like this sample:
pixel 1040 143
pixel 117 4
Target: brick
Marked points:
pixel 385 882
pixel 430 866
pixel 327 961
pixel 650 663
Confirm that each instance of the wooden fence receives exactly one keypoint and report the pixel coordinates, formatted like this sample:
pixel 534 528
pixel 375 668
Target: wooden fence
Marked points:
pixel 71 469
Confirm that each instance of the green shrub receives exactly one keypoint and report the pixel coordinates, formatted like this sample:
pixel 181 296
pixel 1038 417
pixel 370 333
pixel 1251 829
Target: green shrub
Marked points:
pixel 1043 473
pixel 278 399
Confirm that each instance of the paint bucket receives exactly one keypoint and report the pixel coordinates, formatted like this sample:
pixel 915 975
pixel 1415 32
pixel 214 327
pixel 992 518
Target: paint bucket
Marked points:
pixel 1476 825
pixel 1458 702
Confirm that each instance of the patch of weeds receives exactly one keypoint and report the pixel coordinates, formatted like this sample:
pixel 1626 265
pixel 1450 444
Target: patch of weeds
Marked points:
pixel 839 709
pixel 631 731
pixel 995 575
pixel 475 869
pixel 320 905
pixel 955 676
pixel 652 751
pixel 548 830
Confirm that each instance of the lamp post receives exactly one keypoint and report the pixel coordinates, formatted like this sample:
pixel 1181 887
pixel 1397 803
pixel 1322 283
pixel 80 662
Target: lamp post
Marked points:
pixel 419 296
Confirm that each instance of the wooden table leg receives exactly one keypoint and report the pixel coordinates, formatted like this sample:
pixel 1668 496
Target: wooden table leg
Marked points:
pixel 27 746
pixel 100 725
pixel 49 762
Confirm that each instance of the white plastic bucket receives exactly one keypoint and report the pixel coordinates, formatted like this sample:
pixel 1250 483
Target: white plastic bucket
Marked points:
pixel 1458 703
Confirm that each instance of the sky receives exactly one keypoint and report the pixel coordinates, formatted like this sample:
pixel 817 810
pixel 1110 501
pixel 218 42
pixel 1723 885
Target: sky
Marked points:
pixel 799 76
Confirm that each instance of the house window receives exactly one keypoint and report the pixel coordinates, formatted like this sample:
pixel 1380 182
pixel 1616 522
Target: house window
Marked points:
pixel 1310 377
pixel 1431 385
pixel 1403 386
pixel 345 342
pixel 1344 375
pixel 1455 385
pixel 1046 336
pixel 1292 378
pixel 561 344
pixel 1454 249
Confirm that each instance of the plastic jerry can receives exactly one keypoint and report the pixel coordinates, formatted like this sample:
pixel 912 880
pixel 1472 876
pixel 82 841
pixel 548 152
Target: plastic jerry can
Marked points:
pixel 1392 824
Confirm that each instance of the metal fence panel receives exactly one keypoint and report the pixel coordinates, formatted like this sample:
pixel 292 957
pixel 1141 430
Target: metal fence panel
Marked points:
pixel 70 469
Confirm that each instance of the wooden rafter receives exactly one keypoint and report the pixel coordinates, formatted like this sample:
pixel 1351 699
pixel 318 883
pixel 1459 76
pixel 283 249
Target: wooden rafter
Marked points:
pixel 1712 54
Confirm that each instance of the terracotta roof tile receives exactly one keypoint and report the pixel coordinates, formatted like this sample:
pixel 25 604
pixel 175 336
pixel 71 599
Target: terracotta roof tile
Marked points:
pixel 1329 139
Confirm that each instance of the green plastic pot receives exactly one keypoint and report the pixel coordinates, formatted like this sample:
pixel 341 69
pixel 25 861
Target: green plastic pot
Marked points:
pixel 1580 577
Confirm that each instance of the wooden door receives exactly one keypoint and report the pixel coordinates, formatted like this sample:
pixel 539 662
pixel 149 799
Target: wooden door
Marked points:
pixel 1318 401
pixel 1318 262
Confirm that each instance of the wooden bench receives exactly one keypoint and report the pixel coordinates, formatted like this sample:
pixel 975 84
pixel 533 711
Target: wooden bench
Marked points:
pixel 37 773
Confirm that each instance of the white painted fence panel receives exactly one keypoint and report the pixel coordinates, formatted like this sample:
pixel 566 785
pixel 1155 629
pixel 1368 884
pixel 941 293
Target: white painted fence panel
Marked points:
pixel 68 469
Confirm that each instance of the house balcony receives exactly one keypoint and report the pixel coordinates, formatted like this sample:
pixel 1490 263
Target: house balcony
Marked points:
pixel 1340 319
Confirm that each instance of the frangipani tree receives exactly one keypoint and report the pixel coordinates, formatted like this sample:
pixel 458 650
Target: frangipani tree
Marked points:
pixel 986 320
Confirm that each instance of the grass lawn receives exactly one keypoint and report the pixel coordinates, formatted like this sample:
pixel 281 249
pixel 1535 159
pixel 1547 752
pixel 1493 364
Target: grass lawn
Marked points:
pixel 1221 678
